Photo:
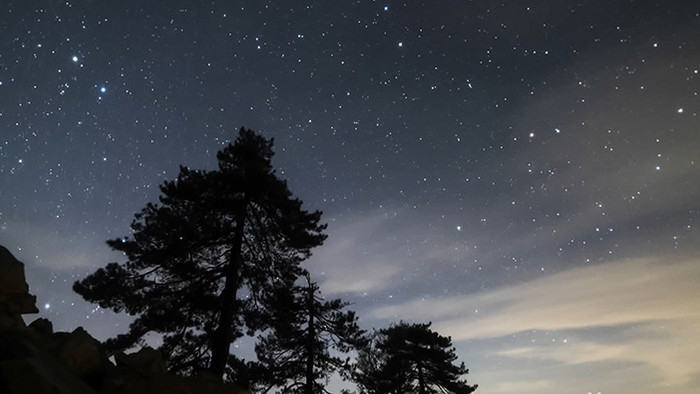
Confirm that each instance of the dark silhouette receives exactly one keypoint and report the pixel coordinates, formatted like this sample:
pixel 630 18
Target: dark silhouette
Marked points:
pixel 410 358
pixel 295 354
pixel 200 262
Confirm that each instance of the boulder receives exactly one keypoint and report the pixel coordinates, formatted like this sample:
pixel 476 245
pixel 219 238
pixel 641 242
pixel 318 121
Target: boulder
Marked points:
pixel 15 299
pixel 125 380
pixel 146 361
pixel 81 354
pixel 27 367
pixel 144 372
pixel 42 326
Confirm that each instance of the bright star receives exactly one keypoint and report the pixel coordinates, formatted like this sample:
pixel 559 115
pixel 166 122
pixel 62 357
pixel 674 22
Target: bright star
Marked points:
pixel 75 59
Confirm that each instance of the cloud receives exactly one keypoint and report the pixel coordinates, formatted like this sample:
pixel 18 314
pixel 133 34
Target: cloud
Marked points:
pixel 353 278
pixel 357 257
pixel 63 250
pixel 657 299
pixel 520 386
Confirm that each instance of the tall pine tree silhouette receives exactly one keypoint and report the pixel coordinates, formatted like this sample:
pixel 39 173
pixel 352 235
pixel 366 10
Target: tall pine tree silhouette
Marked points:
pixel 199 262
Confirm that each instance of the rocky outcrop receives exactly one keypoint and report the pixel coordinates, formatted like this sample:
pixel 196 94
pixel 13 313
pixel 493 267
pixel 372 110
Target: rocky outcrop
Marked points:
pixel 35 360
pixel 15 299
pixel 42 326
pixel 147 360
pixel 27 365
pixel 144 373
pixel 81 354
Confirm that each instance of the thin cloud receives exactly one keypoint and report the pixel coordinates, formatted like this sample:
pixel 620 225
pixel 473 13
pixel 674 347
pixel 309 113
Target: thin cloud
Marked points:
pixel 660 298
pixel 521 386
pixel 352 260
pixel 40 246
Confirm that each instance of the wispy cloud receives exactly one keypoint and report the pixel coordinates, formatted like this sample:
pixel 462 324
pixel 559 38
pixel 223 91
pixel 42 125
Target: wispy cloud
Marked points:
pixel 357 257
pixel 41 245
pixel 657 298
pixel 520 386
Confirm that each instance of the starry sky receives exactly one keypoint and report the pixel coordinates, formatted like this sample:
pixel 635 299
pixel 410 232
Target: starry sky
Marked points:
pixel 525 175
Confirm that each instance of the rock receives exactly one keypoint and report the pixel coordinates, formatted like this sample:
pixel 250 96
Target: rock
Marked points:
pixel 26 367
pixel 124 380
pixel 147 361
pixel 42 326
pixel 82 354
pixel 12 279
pixel 15 299
pixel 144 372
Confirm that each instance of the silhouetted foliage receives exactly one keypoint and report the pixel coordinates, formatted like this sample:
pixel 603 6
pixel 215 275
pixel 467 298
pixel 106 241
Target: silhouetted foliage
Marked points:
pixel 200 263
pixel 307 339
pixel 410 358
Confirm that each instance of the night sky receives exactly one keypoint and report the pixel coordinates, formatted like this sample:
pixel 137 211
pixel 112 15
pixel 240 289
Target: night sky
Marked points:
pixel 525 175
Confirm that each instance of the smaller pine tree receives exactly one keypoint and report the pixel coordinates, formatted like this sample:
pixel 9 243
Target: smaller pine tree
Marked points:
pixel 309 336
pixel 410 358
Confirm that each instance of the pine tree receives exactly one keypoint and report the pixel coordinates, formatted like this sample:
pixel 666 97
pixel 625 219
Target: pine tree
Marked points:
pixel 199 262
pixel 410 358
pixel 307 340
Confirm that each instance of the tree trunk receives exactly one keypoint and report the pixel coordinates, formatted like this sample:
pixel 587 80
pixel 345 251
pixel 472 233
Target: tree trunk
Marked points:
pixel 421 380
pixel 311 335
pixel 221 341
